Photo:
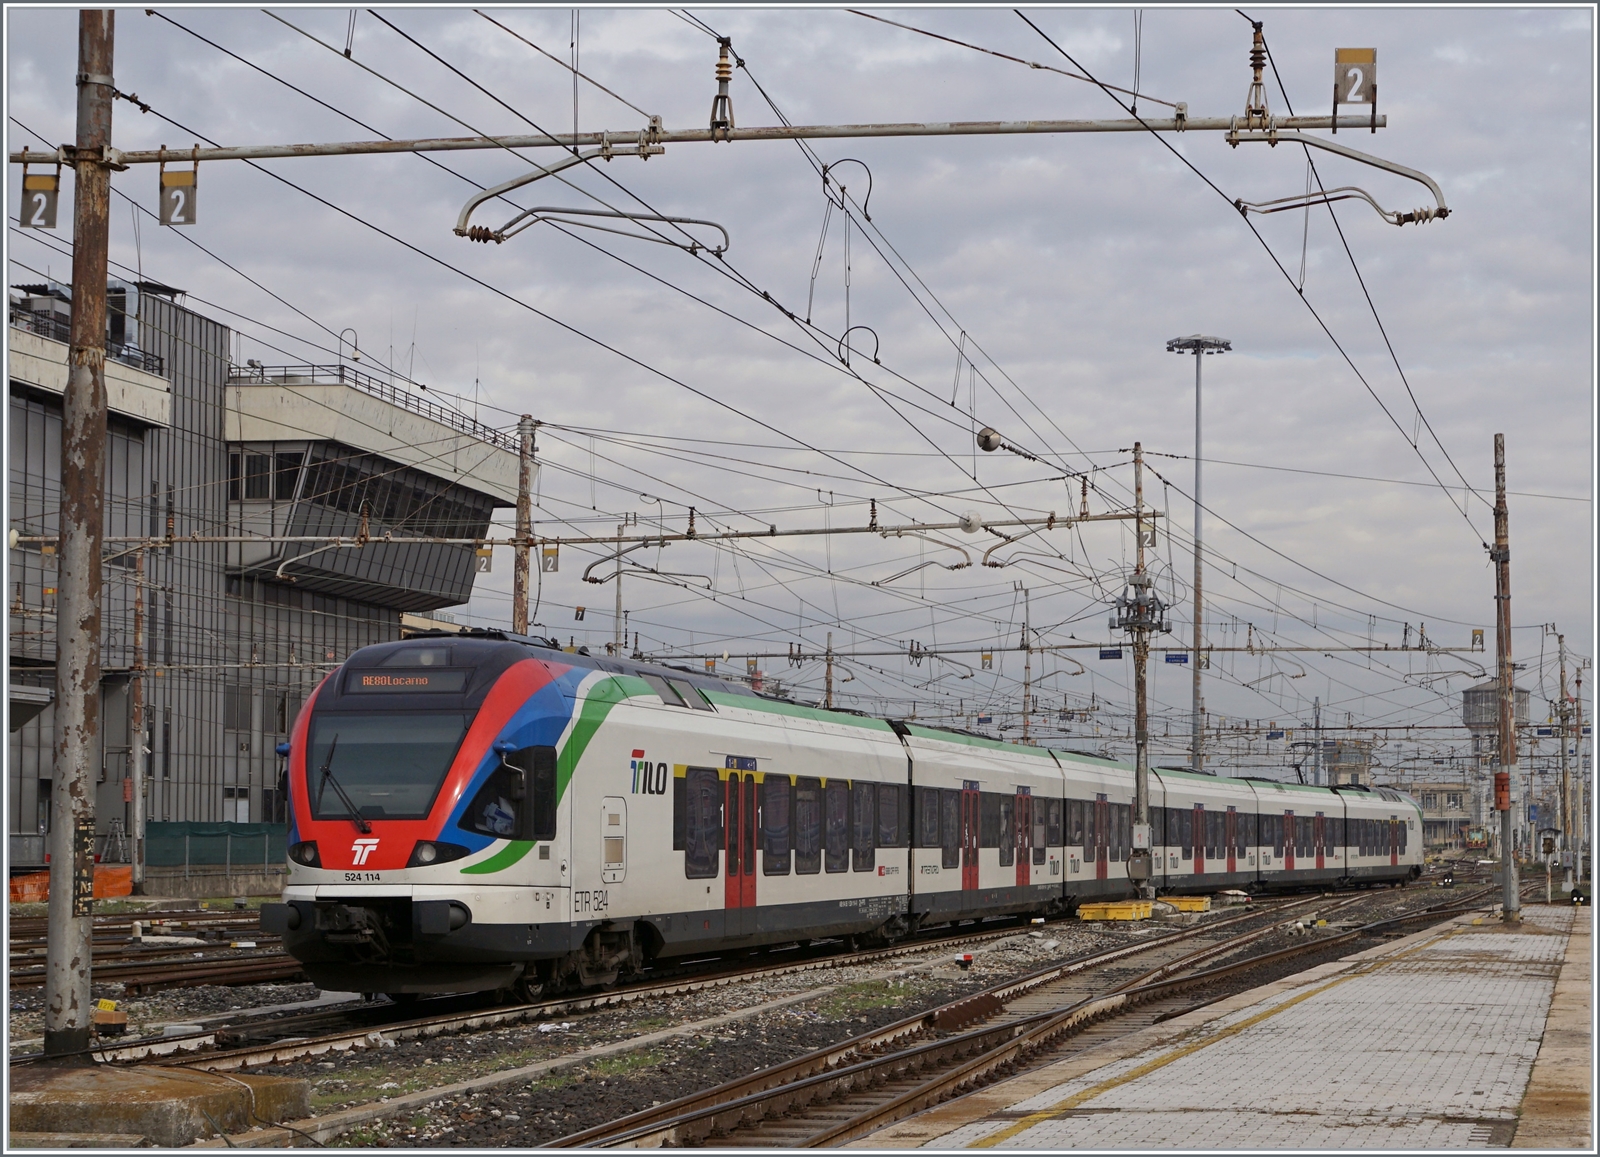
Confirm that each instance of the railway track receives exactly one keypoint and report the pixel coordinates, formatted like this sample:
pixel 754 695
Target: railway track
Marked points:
pixel 285 1039
pixel 838 1094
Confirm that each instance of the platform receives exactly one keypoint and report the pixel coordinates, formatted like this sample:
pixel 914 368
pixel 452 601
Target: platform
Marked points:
pixel 1468 1035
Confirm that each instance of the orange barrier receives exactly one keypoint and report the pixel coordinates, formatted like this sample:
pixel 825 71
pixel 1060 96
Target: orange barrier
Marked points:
pixel 110 880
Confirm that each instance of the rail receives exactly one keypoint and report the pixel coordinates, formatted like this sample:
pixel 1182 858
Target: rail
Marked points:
pixel 306 375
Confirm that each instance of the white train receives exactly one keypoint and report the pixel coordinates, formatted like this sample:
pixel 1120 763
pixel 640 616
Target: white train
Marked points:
pixel 480 811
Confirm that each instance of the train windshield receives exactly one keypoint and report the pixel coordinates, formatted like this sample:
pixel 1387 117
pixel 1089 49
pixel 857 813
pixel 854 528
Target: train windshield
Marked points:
pixel 389 765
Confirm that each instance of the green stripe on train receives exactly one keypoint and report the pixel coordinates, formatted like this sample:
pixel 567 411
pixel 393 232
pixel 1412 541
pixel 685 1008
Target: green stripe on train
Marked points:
pixel 597 704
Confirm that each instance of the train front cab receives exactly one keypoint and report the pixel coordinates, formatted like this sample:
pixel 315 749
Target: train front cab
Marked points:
pixel 428 832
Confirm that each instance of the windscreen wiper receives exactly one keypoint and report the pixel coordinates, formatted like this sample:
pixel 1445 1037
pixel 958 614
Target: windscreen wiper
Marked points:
pixel 356 817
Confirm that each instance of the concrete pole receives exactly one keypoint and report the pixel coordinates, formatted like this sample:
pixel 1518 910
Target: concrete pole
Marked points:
pixel 136 691
pixel 1027 668
pixel 519 567
pixel 1507 746
pixel 1566 771
pixel 618 631
pixel 1199 704
pixel 1316 750
pixel 67 1015
pixel 827 678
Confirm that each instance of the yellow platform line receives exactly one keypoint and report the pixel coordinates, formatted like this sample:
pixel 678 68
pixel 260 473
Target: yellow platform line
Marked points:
pixel 1161 1062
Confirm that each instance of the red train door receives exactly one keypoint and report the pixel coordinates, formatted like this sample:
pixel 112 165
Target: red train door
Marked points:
pixel 969 836
pixel 1022 820
pixel 1230 831
pixel 1102 835
pixel 1394 843
pixel 739 887
pixel 1288 841
pixel 747 862
pixel 1200 834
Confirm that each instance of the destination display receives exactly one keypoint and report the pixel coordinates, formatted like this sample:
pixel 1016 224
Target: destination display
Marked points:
pixel 406 681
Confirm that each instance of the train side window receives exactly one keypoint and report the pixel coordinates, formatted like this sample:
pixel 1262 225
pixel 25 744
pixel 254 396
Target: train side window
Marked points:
pixel 1186 832
pixel 807 825
pixel 1040 807
pixel 775 792
pixel 862 798
pixel 837 795
pixel 989 820
pixel 927 817
pixel 690 694
pixel 891 830
pixel 1005 827
pixel 1052 823
pixel 950 827
pixel 663 691
pixel 518 801
pixel 1075 823
pixel 702 846
pixel 1244 832
pixel 1090 841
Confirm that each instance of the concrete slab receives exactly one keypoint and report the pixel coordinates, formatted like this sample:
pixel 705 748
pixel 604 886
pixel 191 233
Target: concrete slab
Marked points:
pixel 1424 1043
pixel 1557 1108
pixel 75 1141
pixel 170 1107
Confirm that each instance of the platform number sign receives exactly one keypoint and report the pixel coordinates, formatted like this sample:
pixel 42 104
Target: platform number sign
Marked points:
pixel 1355 75
pixel 39 193
pixel 485 559
pixel 550 559
pixel 178 196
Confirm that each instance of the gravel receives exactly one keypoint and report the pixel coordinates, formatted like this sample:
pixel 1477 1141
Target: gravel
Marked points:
pixel 149 1013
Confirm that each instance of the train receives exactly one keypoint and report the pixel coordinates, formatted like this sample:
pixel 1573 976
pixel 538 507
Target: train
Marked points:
pixel 482 811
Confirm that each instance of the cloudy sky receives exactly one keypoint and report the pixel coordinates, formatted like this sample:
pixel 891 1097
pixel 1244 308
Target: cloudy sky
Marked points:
pixel 1028 283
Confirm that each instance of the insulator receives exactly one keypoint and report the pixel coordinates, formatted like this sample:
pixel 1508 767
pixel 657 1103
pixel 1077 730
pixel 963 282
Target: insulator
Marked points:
pixel 483 233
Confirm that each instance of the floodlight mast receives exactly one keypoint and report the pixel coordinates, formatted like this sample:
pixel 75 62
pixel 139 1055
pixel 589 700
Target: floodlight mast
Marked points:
pixel 1199 345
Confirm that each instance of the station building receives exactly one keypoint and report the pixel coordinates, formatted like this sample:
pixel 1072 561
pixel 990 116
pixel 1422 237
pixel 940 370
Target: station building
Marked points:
pixel 236 635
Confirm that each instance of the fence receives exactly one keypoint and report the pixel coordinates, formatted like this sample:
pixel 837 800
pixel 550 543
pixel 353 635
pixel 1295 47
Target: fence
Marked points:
pixel 242 846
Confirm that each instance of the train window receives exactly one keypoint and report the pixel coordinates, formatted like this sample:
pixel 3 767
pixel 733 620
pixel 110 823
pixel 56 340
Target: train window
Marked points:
pixel 1243 833
pixel 891 799
pixel 862 797
pixel 690 694
pixel 702 844
pixel 837 800
pixel 1005 827
pixel 389 763
pixel 663 691
pixel 927 817
pixel 775 793
pixel 1052 823
pixel 807 826
pixel 1074 832
pixel 989 820
pixel 950 828
pixel 1039 807
pixel 1125 829
pixel 1277 836
pixel 1091 808
pixel 517 802
pixel 539 764
pixel 1186 831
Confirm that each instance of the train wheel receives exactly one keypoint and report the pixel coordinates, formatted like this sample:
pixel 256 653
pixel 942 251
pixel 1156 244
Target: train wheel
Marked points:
pixel 528 988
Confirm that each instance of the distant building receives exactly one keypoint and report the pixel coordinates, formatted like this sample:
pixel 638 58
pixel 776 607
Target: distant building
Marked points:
pixel 1346 761
pixel 236 636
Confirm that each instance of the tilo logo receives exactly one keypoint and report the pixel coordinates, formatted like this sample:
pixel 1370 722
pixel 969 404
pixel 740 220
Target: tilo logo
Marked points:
pixel 363 849
pixel 648 778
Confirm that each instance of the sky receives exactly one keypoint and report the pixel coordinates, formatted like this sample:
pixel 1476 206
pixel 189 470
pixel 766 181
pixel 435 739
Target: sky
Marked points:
pixel 1024 282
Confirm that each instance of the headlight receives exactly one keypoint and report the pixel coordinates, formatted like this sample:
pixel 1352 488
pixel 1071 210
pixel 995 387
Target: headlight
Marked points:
pixel 430 852
pixel 305 854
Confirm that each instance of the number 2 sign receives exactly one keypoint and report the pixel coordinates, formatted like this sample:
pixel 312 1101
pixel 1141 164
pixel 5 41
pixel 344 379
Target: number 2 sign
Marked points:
pixel 1355 75
pixel 177 196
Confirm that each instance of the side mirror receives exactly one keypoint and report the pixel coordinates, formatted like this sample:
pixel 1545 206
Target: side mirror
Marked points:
pixel 282 749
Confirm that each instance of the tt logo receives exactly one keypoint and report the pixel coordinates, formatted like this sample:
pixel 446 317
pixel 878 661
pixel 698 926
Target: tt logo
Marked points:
pixel 363 849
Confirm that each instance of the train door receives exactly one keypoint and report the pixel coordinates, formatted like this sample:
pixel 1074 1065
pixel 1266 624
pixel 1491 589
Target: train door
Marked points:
pixel 613 839
pixel 1230 832
pixel 1102 836
pixel 739 886
pixel 1022 819
pixel 1394 842
pixel 1319 839
pixel 969 835
pixel 1289 836
pixel 1200 836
